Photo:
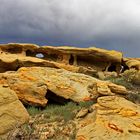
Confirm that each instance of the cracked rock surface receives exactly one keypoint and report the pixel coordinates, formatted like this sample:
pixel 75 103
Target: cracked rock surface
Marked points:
pixel 115 119
pixel 32 83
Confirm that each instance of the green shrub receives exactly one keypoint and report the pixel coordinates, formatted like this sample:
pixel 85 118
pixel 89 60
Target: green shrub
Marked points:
pixel 33 110
pixel 129 79
pixel 67 111
pixel 86 104
pixel 27 129
pixel 134 97
pixel 121 81
pixel 59 112
pixel 60 115
pixel 132 76
pixel 129 75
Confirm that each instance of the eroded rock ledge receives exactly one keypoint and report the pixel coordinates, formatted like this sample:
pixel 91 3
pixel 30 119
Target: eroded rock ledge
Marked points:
pixel 116 119
pixel 31 85
pixel 84 60
pixel 89 61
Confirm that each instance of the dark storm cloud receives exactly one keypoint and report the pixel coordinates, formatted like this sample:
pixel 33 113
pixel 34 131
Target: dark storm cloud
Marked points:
pixel 108 24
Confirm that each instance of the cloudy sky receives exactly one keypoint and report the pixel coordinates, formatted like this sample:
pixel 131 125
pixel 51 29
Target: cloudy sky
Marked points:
pixel 109 24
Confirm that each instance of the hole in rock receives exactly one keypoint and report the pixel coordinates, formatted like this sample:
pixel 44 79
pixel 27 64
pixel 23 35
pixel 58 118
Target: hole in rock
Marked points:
pixel 42 55
pixel 39 55
pixel 91 62
pixel 124 67
pixel 4 67
pixel 55 99
pixel 51 57
pixel 35 54
pixel 112 68
pixel 71 60
pixel 30 53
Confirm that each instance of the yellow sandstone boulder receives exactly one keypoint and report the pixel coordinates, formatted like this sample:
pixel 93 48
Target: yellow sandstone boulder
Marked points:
pixel 32 84
pixel 12 112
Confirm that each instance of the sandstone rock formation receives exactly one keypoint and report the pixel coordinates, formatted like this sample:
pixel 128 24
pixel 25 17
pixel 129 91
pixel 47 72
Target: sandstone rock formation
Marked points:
pixel 14 56
pixel 87 57
pixel 116 119
pixel 28 85
pixel 83 60
pixel 12 112
pixel 132 63
pixel 33 83
pixel 37 75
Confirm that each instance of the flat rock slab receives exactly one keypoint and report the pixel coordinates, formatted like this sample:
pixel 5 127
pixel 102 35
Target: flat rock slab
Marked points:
pixel 32 83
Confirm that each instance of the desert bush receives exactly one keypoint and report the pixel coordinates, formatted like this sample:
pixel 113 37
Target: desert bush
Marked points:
pixel 129 78
pixel 73 136
pixel 67 111
pixel 134 97
pixel 132 76
pixel 60 115
pixel 120 81
pixel 129 75
pixel 54 112
pixel 33 110
pixel 86 104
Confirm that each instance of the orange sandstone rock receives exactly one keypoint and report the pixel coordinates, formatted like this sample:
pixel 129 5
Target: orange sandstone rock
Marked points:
pixel 32 84
pixel 115 119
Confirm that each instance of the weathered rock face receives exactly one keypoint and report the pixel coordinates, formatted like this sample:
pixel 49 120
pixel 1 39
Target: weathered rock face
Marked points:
pixel 31 85
pixel 83 60
pixel 10 61
pixel 12 112
pixel 132 63
pixel 87 57
pixel 115 119
pixel 28 85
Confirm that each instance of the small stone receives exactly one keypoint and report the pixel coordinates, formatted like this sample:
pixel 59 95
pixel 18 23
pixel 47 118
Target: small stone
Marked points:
pixel 82 113
pixel 90 110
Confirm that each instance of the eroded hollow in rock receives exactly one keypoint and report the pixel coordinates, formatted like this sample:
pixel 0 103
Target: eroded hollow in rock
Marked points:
pixel 91 63
pixel 125 67
pixel 55 99
pixel 8 67
pixel 71 60
pixel 30 53
pixel 12 50
pixel 84 61
pixel 112 68
pixel 39 55
pixel 42 55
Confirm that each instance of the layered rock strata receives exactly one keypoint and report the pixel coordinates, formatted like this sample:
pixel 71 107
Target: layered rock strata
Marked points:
pixel 115 119
pixel 32 84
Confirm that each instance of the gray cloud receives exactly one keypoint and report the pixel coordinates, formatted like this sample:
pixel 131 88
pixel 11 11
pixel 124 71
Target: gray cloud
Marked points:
pixel 107 24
